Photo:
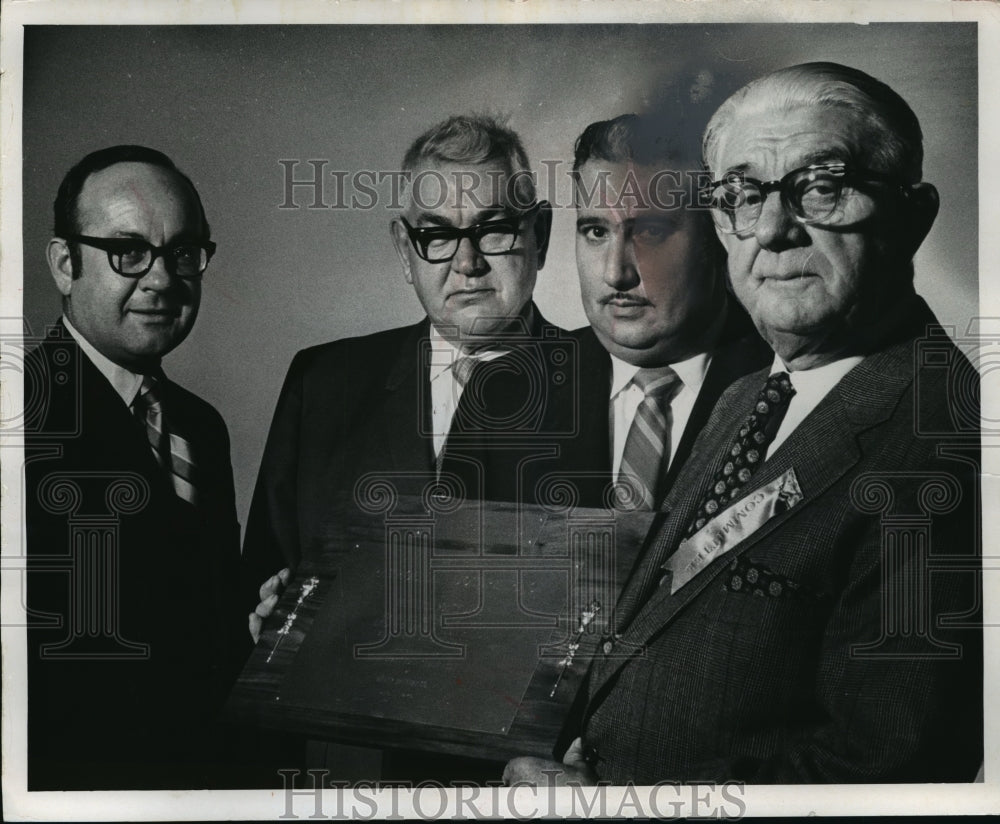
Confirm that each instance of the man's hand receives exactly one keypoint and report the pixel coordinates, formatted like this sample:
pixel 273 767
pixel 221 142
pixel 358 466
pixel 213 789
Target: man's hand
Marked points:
pixel 540 772
pixel 269 592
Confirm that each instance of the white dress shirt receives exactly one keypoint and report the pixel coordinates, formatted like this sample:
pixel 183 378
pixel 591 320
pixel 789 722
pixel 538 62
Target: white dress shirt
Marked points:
pixel 811 386
pixel 445 390
pixel 626 397
pixel 124 382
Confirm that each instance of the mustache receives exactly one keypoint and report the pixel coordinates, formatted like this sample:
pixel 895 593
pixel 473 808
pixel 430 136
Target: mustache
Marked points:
pixel 625 297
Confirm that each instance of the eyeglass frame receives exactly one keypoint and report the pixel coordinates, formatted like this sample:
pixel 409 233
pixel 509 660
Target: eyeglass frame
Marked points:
pixel 782 185
pixel 418 233
pixel 111 245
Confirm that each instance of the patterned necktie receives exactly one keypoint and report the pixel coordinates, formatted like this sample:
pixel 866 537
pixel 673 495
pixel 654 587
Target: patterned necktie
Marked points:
pixel 648 440
pixel 171 451
pixel 748 450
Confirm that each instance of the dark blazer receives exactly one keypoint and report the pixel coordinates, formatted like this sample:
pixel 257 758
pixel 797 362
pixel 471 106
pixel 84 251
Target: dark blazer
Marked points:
pixel 739 351
pixel 839 642
pixel 105 532
pixel 360 407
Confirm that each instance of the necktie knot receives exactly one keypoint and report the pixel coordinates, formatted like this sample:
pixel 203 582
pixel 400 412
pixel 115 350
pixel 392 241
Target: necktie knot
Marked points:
pixel 747 451
pixel 647 446
pixel 462 368
pixel 657 383
pixel 777 390
pixel 148 396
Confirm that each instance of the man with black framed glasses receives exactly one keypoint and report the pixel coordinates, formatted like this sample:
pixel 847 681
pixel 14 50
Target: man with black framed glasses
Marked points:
pixel 810 609
pixel 133 540
pixel 477 400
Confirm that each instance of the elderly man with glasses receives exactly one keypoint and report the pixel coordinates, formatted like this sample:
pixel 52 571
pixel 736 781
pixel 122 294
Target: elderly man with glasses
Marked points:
pixel 810 609
pixel 136 630
pixel 476 401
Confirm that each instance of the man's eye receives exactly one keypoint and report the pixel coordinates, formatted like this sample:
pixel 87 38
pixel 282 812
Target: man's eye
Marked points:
pixel 438 242
pixel 133 255
pixel 593 233
pixel 497 238
pixel 651 232
pixel 820 188
pixel 187 254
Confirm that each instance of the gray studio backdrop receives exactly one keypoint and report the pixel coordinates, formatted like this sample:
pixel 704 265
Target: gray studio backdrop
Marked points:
pixel 228 103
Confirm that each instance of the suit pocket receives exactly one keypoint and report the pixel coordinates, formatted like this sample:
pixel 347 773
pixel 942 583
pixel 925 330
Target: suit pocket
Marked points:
pixel 744 576
pixel 770 638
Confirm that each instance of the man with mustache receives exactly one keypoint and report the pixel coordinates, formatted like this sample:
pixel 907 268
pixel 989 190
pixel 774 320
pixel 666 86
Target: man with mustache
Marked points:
pixel 136 630
pixel 665 336
pixel 809 611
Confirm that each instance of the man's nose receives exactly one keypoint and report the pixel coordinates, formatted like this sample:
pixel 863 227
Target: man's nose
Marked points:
pixel 468 260
pixel 776 228
pixel 158 278
pixel 621 270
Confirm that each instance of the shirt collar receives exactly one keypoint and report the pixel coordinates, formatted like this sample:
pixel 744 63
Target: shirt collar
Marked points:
pixel 444 354
pixel 124 382
pixel 827 375
pixel 691 372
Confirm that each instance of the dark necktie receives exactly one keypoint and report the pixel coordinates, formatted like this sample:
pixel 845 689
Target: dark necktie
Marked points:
pixel 747 451
pixel 648 443
pixel 172 452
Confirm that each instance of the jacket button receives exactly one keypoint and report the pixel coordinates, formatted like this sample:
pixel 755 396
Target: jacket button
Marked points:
pixel 608 646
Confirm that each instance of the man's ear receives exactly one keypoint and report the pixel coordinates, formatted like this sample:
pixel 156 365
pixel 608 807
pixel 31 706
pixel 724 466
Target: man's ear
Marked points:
pixel 923 203
pixel 401 240
pixel 543 230
pixel 60 265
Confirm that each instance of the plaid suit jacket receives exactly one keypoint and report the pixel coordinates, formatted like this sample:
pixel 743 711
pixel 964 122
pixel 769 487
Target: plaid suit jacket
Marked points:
pixel 864 663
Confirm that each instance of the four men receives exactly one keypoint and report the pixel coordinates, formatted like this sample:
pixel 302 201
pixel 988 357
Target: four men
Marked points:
pixel 759 638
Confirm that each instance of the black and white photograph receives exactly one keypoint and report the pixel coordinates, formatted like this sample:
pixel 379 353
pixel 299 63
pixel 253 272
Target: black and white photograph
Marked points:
pixel 498 409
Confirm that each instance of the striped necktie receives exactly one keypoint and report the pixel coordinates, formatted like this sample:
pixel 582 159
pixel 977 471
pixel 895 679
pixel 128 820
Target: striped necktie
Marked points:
pixel 648 439
pixel 172 452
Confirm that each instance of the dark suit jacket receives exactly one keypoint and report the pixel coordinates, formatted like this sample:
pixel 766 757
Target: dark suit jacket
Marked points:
pixel 105 532
pixel 739 350
pixel 864 664
pixel 360 407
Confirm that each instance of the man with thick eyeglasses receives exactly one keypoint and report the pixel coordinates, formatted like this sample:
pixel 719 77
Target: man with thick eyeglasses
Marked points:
pixel 476 400
pixel 133 542
pixel 809 611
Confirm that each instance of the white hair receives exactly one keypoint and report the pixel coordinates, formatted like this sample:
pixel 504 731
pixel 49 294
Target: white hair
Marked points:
pixel 895 142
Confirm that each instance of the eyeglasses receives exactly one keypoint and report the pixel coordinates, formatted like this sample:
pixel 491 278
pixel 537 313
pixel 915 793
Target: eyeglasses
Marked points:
pixel 437 244
pixel 827 193
pixel 134 257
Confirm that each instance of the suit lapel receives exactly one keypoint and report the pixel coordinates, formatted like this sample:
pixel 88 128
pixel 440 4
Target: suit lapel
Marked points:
pixel 109 438
pixel 594 402
pixel 821 450
pixel 739 351
pixel 405 406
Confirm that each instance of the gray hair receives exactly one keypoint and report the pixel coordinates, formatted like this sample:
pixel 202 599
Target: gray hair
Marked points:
pixel 896 145
pixel 475 140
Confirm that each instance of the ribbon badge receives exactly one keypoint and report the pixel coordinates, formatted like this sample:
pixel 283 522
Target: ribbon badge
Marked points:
pixel 730 527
